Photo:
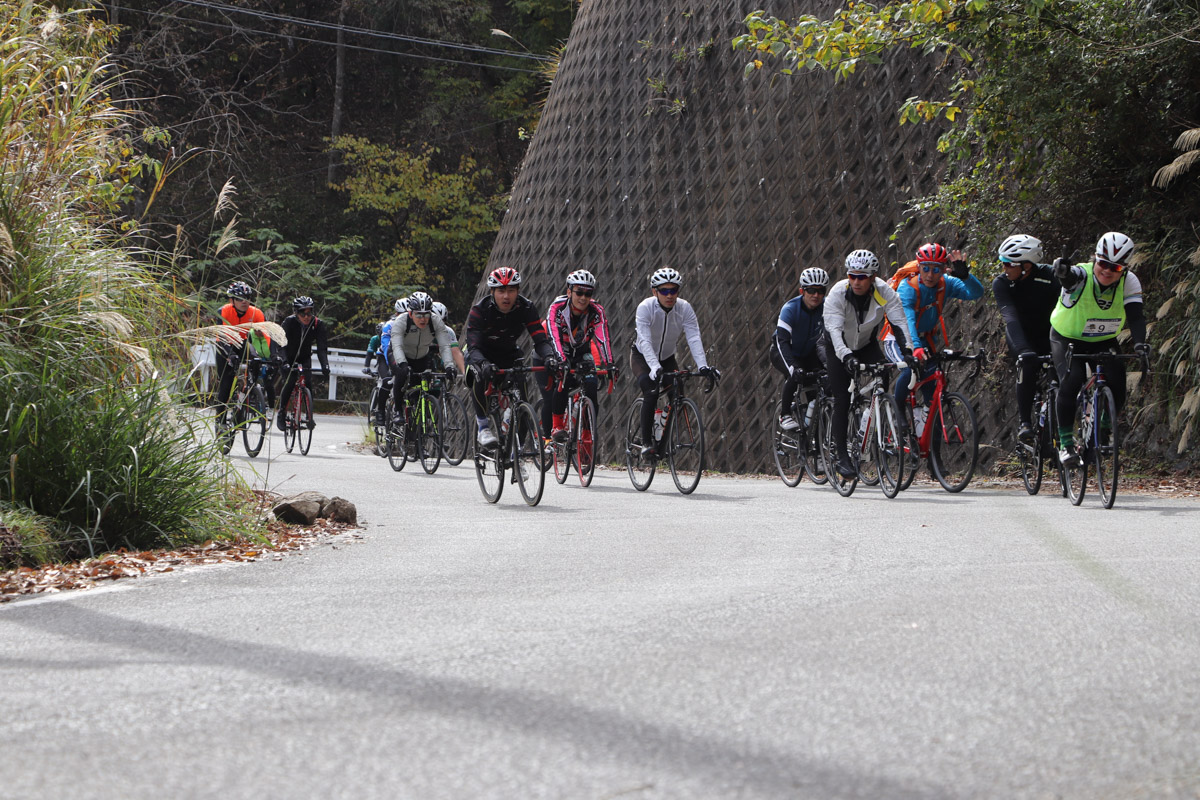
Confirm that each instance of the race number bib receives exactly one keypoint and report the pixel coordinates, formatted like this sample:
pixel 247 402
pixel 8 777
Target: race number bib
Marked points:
pixel 1098 328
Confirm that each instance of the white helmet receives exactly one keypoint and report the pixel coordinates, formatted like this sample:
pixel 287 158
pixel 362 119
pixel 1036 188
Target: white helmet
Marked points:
pixel 440 309
pixel 581 277
pixel 665 275
pixel 814 276
pixel 401 305
pixel 420 302
pixel 862 261
pixel 1021 247
pixel 1114 247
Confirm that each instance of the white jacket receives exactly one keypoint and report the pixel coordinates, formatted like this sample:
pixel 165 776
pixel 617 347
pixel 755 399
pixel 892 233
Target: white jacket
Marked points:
pixel 408 342
pixel 847 331
pixel 658 332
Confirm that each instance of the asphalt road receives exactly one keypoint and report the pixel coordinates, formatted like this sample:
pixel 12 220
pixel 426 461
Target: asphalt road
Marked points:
pixel 748 641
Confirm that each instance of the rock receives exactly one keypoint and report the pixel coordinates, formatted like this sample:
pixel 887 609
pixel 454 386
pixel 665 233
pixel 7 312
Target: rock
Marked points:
pixel 298 512
pixel 341 510
pixel 316 497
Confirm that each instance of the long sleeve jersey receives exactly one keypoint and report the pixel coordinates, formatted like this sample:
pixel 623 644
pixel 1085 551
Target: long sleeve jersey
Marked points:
pixel 492 335
pixel 798 330
pixel 300 341
pixel 852 322
pixel 1082 295
pixel 658 331
pixel 1025 305
pixel 410 343
pixel 920 303
pixel 572 334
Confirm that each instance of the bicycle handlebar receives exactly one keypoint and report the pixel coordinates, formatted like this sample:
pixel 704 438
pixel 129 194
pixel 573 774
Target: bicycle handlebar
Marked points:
pixel 684 374
pixel 1099 358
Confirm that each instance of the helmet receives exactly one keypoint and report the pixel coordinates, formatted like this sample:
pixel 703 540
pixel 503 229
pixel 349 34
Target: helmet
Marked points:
pixel 1114 247
pixel 665 275
pixel 813 276
pixel 401 305
pixel 503 276
pixel 862 261
pixel 581 277
pixel 440 310
pixel 1021 247
pixel 302 302
pixel 240 290
pixel 420 302
pixel 932 253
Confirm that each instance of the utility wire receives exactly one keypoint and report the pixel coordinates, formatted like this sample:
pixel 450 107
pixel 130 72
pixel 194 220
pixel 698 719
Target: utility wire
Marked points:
pixel 398 37
pixel 294 37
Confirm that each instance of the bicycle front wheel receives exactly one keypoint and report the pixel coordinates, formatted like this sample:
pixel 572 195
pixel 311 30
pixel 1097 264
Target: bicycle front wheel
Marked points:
pixel 489 463
pixel 640 468
pixel 1030 457
pixel 686 456
pixel 585 441
pixel 888 446
pixel 455 429
pixel 304 421
pixel 859 438
pixel 254 429
pixel 829 451
pixel 954 443
pixel 290 421
pixel 429 432
pixel 1105 446
pixel 560 453
pixel 814 462
pixel 224 430
pixel 528 454
pixel 787 448
pixel 397 438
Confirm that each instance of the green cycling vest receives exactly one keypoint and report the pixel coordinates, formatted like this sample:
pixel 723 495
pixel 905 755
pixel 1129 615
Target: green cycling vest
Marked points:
pixel 1086 320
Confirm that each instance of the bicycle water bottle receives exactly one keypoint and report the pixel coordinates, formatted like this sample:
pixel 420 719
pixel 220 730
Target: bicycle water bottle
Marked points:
pixel 507 419
pixel 658 424
pixel 919 415
pixel 808 413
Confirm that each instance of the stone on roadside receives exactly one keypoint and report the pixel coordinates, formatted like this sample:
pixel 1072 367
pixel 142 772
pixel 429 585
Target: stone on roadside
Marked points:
pixel 301 509
pixel 341 510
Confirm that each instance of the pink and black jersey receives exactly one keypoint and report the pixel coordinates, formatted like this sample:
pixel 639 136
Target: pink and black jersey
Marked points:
pixel 574 334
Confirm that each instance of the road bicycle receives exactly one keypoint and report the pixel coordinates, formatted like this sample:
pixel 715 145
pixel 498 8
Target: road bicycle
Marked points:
pixel 455 428
pixel 416 434
pixel 873 434
pixel 248 408
pixel 579 448
pixel 949 434
pixel 1097 432
pixel 798 451
pixel 678 434
pixel 1043 422
pixel 518 447
pixel 298 420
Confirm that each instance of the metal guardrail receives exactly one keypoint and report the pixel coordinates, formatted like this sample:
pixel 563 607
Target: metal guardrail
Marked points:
pixel 342 364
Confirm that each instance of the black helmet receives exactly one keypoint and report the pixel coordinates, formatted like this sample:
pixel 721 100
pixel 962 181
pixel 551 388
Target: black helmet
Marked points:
pixel 302 302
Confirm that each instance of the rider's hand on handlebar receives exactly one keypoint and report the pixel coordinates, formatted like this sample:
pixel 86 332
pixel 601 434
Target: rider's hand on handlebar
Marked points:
pixel 850 363
pixel 1143 350
pixel 366 370
pixel 919 354
pixel 712 373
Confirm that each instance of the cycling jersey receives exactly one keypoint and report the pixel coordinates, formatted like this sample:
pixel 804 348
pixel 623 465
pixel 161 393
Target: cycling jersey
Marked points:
pixel 492 335
pixel 797 331
pixel 659 329
pixel 300 341
pixel 258 340
pixel 573 334
pixel 923 312
pixel 853 321
pixel 1026 305
pixel 1086 311
pixel 410 343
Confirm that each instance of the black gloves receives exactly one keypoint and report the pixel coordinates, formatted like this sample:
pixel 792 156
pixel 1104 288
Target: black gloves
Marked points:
pixel 552 364
pixel 1143 350
pixel 366 370
pixel 960 269
pixel 711 373
pixel 400 373
pixel 451 374
pixel 850 363
pixel 486 371
pixel 1062 270
pixel 325 371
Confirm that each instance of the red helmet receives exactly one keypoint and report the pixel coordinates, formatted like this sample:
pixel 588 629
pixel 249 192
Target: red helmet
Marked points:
pixel 503 276
pixel 932 253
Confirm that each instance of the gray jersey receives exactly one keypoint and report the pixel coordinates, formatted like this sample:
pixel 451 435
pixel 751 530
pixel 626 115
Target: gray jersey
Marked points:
pixel 411 343
pixel 848 332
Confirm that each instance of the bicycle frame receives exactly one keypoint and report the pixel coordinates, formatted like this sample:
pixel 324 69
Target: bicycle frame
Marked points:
pixel 938 378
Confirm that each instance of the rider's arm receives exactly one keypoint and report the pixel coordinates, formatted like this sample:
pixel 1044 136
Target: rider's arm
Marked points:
pixel 291 329
pixel 1076 276
pixel 537 332
pixel 444 338
pixel 602 335
pixel 1012 320
pixel 645 312
pixel 968 288
pixel 322 345
pixel 399 331
pixel 895 314
pixel 909 299
pixel 474 336
pixel 781 340
pixel 691 329
pixel 552 328
pixel 1135 317
pixel 835 319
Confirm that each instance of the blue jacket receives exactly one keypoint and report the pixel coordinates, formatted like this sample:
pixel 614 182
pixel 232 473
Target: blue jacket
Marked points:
pixel 956 288
pixel 798 330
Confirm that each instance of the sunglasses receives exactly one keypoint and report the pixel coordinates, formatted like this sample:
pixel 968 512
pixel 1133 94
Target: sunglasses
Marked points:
pixel 583 292
pixel 666 291
pixel 308 312
pixel 814 290
pixel 1108 265
pixel 934 268
pixel 421 315
pixel 856 277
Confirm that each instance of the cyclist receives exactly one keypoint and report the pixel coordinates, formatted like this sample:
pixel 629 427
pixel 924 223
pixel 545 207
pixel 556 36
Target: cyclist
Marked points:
pixel 303 329
pixel 414 334
pixel 239 311
pixel 494 325
pixel 855 311
pixel 376 364
pixel 797 333
pixel 1026 292
pixel 576 325
pixel 1096 302
pixel 922 297
pixel 660 320
pixel 439 310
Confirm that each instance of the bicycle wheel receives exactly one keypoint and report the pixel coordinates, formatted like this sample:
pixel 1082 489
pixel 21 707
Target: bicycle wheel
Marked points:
pixel 528 454
pixel 858 439
pixel 641 469
pixel 585 441
pixel 224 431
pixel 254 420
pixel 1077 479
pixel 954 442
pixel 304 421
pixel 1030 456
pixel 489 462
pixel 1105 446
pixel 456 430
pixel 290 427
pixel 398 432
pixel 829 451
pixel 888 449
pixel 787 447
pixel 686 455
pixel 814 462
pixel 561 453
pixel 429 433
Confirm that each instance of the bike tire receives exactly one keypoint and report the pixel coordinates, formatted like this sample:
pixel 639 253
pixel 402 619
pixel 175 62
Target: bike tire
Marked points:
pixel 1031 458
pixel 787 448
pixel 289 422
pixel 429 432
pixel 841 484
pixel 489 463
pixel 528 454
pixel 398 432
pixel 686 454
pixel 254 425
pixel 561 452
pixel 1106 454
pixel 304 435
pixel 861 451
pixel 814 462
pixel 585 442
pixel 456 429
pixel 888 445
pixel 1077 479
pixel 641 470
pixel 224 432
pixel 954 442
